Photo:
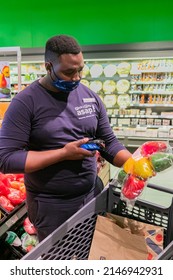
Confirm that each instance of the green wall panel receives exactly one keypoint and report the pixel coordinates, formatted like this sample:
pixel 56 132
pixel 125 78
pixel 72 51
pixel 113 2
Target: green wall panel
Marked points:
pixel 31 24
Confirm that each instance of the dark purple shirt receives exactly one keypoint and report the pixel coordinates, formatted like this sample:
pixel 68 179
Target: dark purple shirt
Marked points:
pixel 38 119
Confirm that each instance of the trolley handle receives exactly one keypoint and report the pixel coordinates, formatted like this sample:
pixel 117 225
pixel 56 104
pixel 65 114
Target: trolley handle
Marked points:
pixel 160 188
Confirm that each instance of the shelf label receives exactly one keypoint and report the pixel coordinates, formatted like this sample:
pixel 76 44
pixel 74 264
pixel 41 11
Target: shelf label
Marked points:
pixel 11 221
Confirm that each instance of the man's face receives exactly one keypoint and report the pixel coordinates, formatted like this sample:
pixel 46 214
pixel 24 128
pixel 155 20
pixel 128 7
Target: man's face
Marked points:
pixel 69 67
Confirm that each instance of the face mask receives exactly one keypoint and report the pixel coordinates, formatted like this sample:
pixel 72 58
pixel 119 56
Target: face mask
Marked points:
pixel 65 86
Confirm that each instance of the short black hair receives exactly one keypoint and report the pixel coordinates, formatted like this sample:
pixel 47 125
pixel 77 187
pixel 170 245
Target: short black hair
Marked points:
pixel 59 45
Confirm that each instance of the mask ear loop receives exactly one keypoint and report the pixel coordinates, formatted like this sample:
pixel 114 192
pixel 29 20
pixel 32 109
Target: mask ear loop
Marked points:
pixel 53 72
pixel 49 68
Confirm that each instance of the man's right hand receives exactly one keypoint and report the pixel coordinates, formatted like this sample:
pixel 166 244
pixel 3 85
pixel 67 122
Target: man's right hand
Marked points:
pixel 73 150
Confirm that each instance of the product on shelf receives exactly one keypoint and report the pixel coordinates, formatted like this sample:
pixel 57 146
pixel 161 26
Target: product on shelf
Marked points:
pixel 110 70
pixel 96 70
pixel 123 68
pixel 6 203
pixel 123 86
pixel 29 241
pixel 12 191
pixel 85 71
pixel 23 238
pixel 15 196
pixel 96 86
pixel 109 86
pixel 85 82
pixel 110 100
pixel 137 83
pixel 5 81
pixel 28 226
pixel 123 100
pixel 13 239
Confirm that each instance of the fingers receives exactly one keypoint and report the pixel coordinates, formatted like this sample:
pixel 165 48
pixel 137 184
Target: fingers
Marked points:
pixel 84 151
pixel 75 151
pixel 82 141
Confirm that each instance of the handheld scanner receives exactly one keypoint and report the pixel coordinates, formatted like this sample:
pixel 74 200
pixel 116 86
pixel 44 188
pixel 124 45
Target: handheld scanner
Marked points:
pixel 93 145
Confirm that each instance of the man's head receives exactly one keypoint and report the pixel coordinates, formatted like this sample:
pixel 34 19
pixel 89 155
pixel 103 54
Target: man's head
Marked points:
pixel 58 45
pixel 64 62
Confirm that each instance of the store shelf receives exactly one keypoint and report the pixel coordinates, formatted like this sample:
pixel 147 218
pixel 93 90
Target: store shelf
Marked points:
pixel 9 219
pixel 148 90
pixel 136 75
pixel 147 76
pixel 136 142
pixel 30 71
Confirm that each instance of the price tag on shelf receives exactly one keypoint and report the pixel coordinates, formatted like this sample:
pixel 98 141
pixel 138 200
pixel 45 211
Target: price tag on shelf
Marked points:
pixel 11 221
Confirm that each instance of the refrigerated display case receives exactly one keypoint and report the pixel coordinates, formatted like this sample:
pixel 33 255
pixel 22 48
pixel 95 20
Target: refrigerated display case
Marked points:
pixel 135 82
pixel 13 216
pixel 7 55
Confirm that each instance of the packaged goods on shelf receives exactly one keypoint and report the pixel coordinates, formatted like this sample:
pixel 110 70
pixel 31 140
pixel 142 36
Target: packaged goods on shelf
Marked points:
pixel 171 133
pixel 163 132
pixel 137 90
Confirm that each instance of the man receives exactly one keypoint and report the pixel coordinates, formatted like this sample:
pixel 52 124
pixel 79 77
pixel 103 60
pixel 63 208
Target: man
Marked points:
pixel 42 133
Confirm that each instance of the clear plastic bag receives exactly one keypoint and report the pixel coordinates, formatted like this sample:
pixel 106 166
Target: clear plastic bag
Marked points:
pixel 149 159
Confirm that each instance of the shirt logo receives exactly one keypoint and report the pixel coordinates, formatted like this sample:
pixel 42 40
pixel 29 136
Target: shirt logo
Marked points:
pixel 85 111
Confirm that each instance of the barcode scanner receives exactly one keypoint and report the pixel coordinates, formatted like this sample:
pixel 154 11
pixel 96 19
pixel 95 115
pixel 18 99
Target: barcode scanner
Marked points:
pixel 93 145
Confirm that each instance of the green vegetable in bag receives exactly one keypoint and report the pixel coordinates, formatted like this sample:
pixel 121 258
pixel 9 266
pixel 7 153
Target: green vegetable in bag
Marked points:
pixel 121 176
pixel 161 161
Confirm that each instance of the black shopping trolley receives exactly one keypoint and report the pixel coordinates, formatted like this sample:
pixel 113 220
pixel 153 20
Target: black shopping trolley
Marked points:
pixel 72 240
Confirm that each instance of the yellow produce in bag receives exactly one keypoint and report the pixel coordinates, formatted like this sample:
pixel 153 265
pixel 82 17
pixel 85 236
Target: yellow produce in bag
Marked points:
pixel 129 166
pixel 143 168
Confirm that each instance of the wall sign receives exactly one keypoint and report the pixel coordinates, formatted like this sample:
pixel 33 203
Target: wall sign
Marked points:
pixel 5 86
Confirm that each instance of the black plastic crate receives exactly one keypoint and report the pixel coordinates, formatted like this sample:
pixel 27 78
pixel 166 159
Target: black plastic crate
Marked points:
pixel 3 216
pixel 145 211
pixel 72 240
pixel 9 252
pixel 11 218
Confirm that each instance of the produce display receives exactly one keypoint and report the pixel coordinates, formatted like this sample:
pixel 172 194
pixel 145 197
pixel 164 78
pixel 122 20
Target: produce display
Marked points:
pixel 4 80
pixel 27 240
pixel 12 194
pixel 148 159
pixel 12 191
